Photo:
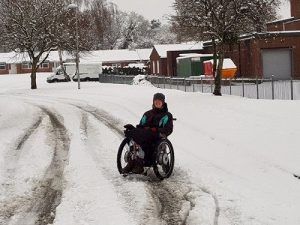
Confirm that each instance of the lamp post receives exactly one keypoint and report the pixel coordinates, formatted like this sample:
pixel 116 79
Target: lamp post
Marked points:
pixel 75 7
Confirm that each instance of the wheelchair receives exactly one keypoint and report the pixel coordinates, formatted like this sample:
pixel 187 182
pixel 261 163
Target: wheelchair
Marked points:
pixel 162 160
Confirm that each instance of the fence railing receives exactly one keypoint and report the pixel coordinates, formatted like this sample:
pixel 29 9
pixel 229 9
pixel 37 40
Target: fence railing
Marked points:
pixel 250 88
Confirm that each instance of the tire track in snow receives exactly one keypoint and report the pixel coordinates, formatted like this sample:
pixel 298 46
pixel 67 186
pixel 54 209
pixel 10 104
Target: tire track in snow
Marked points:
pixel 39 208
pixel 49 193
pixel 29 132
pixel 8 208
pixel 13 155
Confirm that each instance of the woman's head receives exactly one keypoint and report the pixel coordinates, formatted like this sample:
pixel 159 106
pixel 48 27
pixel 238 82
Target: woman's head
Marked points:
pixel 158 100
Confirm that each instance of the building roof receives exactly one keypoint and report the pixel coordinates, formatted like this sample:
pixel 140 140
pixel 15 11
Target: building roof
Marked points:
pixel 163 49
pixel 291 33
pixel 267 34
pixel 282 20
pixel 110 56
pixel 193 55
pixel 227 63
pixel 104 56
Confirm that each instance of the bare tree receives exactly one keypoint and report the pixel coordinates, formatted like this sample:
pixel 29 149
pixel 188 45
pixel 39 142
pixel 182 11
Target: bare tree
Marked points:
pixel 221 21
pixel 32 26
pixel 108 23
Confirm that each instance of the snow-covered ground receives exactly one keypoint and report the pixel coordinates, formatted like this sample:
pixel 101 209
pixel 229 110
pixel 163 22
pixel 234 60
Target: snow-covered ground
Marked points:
pixel 236 159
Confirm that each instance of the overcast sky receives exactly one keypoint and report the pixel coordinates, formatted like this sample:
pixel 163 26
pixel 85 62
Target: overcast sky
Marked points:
pixel 160 9
pixel 150 9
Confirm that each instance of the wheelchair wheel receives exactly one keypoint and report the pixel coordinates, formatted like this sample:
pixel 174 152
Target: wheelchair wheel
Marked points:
pixel 123 154
pixel 164 160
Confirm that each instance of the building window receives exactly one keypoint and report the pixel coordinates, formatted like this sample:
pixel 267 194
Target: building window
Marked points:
pixel 2 66
pixel 45 65
pixel 153 67
pixel 157 62
pixel 26 65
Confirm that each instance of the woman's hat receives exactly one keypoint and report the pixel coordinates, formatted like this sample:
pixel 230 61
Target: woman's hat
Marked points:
pixel 159 96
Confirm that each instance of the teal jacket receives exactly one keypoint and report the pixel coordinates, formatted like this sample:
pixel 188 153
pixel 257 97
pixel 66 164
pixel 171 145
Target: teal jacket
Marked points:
pixel 159 120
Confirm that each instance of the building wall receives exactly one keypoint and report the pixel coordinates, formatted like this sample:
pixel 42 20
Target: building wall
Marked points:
pixel 6 70
pixel 283 42
pixel 284 26
pixel 154 58
pixel 248 59
pixel 163 67
pixel 295 8
pixel 247 56
pixel 21 70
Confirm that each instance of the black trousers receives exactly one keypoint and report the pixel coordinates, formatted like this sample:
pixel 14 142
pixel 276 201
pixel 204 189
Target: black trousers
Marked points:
pixel 145 138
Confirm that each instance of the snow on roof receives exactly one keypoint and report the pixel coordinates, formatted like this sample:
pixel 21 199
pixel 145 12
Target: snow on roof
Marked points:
pixel 163 49
pixel 12 57
pixel 144 54
pixel 92 56
pixel 121 55
pixel 192 55
pixel 227 63
pixel 281 20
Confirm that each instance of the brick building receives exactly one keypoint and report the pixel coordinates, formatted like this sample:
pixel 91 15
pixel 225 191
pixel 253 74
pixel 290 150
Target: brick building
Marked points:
pixel 275 52
pixel 12 63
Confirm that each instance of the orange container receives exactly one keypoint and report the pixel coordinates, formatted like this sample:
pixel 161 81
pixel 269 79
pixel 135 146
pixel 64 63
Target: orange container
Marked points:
pixel 228 73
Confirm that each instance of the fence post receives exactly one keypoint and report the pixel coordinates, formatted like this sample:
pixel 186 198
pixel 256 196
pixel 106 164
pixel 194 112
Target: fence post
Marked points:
pixel 193 86
pixel 257 90
pixel 201 84
pixel 184 85
pixel 158 81
pixel 272 80
pixel 243 86
pixel 177 82
pixel 230 86
pixel 292 89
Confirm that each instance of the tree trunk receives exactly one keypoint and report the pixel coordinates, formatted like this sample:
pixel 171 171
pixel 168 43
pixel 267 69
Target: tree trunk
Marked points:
pixel 33 79
pixel 215 58
pixel 33 73
pixel 62 65
pixel 218 77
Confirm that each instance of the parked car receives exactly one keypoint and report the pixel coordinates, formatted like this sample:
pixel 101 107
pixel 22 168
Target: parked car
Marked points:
pixel 58 76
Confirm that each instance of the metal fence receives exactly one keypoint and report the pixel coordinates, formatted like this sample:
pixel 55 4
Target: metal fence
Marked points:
pixel 250 88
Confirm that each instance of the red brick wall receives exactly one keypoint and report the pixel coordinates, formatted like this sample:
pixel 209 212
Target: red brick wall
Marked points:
pixel 163 64
pixel 248 57
pixel 295 8
pixel 292 25
pixel 285 42
pixel 5 71
pixel 21 70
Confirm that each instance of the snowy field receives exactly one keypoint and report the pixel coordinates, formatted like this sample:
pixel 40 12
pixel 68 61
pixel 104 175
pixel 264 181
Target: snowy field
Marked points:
pixel 236 159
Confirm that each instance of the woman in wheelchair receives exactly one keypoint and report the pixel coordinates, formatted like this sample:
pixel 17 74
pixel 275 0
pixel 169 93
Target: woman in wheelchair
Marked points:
pixel 155 124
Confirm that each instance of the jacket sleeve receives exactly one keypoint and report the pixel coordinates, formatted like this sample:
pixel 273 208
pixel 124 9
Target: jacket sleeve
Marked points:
pixel 143 121
pixel 166 124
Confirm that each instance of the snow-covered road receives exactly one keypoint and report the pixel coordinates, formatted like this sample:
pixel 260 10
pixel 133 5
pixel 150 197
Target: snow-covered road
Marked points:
pixel 235 158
